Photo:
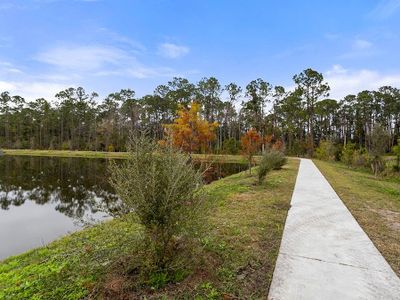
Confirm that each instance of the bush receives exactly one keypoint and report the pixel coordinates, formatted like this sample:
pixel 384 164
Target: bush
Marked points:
pixel 111 148
pixel 297 148
pixel 348 153
pixel 278 146
pixel 66 145
pixel 271 160
pixel 161 189
pixel 361 158
pixel 326 151
pixel 396 151
pixel 230 146
pixel 379 139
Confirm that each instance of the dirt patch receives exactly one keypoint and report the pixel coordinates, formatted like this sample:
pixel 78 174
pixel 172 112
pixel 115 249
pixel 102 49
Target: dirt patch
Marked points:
pixel 243 197
pixel 392 218
pixel 115 288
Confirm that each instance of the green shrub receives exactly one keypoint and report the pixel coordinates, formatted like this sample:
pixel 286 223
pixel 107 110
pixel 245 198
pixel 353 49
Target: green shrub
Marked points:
pixel 326 151
pixel 66 145
pixel 348 153
pixel 379 139
pixel 271 160
pixel 230 146
pixel 111 148
pixel 162 189
pixel 396 151
pixel 361 158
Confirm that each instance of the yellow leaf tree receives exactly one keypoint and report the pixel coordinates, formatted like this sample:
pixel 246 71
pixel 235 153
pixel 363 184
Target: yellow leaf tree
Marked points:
pixel 189 131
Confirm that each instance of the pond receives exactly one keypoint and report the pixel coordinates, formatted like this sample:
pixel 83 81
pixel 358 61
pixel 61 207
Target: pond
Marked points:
pixel 44 198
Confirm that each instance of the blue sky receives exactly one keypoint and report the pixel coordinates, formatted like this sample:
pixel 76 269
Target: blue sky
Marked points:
pixel 106 45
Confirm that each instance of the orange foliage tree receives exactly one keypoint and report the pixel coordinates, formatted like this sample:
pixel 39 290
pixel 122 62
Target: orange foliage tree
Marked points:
pixel 250 142
pixel 189 131
pixel 273 143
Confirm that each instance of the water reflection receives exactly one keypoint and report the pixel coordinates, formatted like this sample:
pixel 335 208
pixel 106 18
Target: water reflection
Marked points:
pixel 43 198
pixel 76 186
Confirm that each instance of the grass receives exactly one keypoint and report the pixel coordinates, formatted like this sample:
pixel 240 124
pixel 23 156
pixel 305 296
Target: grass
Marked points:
pixel 117 155
pixel 237 259
pixel 374 202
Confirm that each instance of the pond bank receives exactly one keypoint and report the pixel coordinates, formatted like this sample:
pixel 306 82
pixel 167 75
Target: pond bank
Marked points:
pixel 116 155
pixel 238 252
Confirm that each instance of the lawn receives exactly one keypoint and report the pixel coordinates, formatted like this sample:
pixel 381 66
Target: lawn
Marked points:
pixel 374 202
pixel 225 158
pixel 236 255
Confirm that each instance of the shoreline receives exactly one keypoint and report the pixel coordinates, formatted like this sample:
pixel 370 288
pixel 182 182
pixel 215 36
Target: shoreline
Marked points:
pixel 225 158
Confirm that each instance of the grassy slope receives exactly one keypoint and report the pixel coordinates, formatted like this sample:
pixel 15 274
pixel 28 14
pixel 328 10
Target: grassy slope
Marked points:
pixel 100 154
pixel 238 253
pixel 374 202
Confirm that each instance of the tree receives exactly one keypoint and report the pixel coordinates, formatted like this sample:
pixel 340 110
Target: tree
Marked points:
pixel 208 94
pixel 257 91
pixel 378 147
pixel 179 91
pixel 190 132
pixel 300 118
pixel 5 101
pixel 290 115
pixel 234 93
pixel 327 119
pixel 161 189
pixel 396 151
pixel 310 84
pixel 250 142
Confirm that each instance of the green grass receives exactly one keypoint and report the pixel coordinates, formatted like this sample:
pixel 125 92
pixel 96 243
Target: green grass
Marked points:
pixel 374 202
pixel 67 268
pixel 238 253
pixel 117 155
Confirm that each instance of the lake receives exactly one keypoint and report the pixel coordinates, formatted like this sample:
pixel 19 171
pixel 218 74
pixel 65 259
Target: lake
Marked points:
pixel 44 198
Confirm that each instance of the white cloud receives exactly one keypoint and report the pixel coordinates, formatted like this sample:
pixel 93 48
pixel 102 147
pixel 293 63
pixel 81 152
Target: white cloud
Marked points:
pixel 32 90
pixel 336 69
pixel 344 82
pixel 139 72
pixel 359 48
pixel 6 86
pixel 18 82
pixel 7 68
pixel 99 60
pixel 121 40
pixel 170 50
pixel 332 36
pixel 75 65
pixel 85 58
pixel 361 44
pixel 385 9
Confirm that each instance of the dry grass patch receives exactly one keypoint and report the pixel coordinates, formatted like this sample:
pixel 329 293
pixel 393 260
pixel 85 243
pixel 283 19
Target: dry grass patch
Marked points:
pixel 245 233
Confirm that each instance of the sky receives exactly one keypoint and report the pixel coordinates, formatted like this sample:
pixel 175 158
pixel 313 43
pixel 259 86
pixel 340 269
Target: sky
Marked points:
pixel 107 45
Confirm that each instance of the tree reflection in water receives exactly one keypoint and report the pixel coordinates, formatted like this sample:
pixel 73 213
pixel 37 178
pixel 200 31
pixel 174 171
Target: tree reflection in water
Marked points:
pixel 76 186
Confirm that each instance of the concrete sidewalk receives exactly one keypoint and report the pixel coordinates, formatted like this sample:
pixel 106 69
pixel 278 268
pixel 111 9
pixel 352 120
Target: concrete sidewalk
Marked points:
pixel 324 253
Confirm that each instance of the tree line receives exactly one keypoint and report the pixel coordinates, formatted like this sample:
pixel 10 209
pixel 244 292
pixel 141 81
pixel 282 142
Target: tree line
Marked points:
pixel 299 119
